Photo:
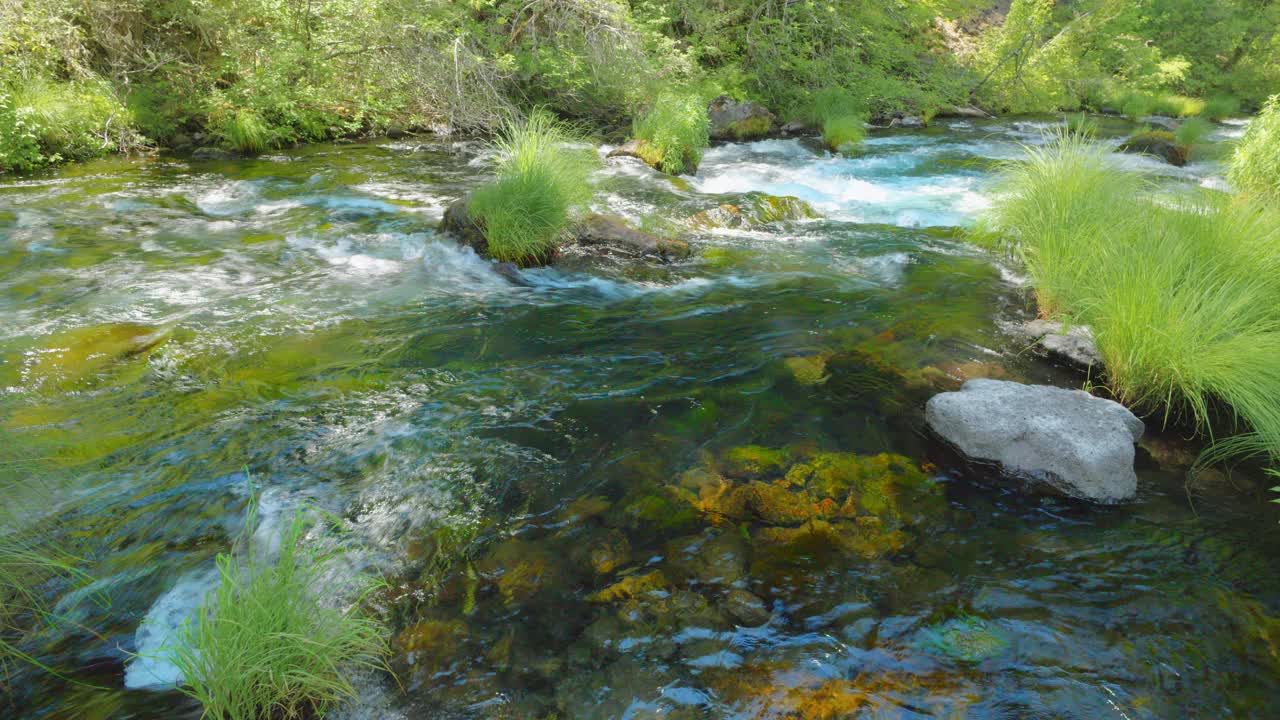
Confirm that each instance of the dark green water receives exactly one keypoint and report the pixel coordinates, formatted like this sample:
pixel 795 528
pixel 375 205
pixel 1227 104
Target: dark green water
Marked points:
pixel 558 480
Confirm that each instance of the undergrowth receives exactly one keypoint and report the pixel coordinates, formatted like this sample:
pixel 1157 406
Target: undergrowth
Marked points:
pixel 1255 166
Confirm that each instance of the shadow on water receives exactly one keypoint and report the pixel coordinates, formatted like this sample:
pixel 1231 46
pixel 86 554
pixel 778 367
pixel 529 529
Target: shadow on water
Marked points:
pixel 698 490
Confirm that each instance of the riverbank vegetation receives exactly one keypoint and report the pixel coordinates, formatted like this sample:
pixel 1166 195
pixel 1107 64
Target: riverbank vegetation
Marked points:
pixel 1255 166
pixel 264 645
pixel 1182 294
pixel 83 79
pixel 674 131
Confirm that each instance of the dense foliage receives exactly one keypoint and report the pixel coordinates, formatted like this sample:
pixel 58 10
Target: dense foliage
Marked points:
pixel 673 131
pixel 84 78
pixel 1101 251
pixel 1255 166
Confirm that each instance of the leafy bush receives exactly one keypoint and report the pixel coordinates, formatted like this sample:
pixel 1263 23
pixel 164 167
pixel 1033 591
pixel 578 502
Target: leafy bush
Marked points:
pixel 1184 300
pixel 264 646
pixel 73 121
pixel 1255 165
pixel 840 116
pixel 19 150
pixel 541 181
pixel 674 131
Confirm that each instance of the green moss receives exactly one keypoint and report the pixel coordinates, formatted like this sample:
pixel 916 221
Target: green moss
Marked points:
pixel 757 126
pixel 754 462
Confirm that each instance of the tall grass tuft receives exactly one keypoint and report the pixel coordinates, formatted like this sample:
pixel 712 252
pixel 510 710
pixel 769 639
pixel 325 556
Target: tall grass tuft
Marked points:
pixel 840 116
pixel 24 567
pixel 1183 298
pixel 541 182
pixel 264 645
pixel 1220 107
pixel 1255 165
pixel 674 131
pixel 244 131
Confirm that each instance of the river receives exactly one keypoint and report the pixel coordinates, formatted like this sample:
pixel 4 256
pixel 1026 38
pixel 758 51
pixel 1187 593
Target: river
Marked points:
pixel 517 461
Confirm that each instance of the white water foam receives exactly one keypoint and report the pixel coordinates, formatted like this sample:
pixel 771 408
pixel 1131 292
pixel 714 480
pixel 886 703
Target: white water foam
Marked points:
pixel 160 631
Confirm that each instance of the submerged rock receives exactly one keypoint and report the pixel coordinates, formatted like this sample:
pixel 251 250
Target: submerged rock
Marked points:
pixel 1074 344
pixel 733 120
pixel 745 608
pixel 1080 444
pixel 968 638
pixel 612 233
pixel 1160 143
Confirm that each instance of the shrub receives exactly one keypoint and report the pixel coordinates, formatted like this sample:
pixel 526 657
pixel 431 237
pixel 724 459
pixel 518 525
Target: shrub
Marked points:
pixel 1184 300
pixel 674 132
pixel 1255 165
pixel 19 150
pixel 840 116
pixel 540 183
pixel 263 645
pixel 73 121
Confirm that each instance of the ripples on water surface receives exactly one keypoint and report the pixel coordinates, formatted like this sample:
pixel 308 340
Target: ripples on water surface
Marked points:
pixel 170 325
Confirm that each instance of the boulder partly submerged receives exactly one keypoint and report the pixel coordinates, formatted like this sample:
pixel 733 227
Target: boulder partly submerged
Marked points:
pixel 1080 444
pixel 1158 143
pixel 754 209
pixel 734 120
pixel 613 234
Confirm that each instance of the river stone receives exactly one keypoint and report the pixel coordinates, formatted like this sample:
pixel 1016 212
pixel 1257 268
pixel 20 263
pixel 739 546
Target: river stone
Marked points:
pixel 745 607
pixel 459 224
pixel 733 120
pixel 1160 143
pixel 1075 344
pixel 613 233
pixel 1078 443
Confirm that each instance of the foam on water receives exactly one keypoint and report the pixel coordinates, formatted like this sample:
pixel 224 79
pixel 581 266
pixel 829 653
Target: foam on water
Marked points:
pixel 152 667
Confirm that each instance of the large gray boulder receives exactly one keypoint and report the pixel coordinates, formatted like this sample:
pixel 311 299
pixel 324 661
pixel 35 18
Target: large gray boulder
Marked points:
pixel 1080 444
pixel 613 234
pixel 733 120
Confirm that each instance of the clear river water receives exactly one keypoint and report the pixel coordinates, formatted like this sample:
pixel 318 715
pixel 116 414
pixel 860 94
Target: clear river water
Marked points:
pixel 540 472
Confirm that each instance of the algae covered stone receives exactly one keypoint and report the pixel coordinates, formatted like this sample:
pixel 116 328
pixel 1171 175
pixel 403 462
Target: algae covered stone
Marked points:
pixel 967 638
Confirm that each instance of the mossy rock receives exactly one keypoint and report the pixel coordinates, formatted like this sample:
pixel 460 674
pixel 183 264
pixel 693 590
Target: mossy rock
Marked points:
pixel 1161 144
pixel 651 156
pixel 734 120
pixel 754 462
pixel 665 508
pixel 74 356
pixel 753 210
pixel 631 587
pixel 520 569
pixel 808 370
pixel 966 638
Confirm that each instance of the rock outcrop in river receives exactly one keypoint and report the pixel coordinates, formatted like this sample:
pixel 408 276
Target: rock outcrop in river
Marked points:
pixel 1078 443
pixel 733 120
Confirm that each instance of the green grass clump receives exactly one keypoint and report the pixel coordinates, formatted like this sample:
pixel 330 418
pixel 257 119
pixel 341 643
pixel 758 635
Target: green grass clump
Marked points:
pixel 1081 124
pixel 244 131
pixel 1183 299
pixel 1220 107
pixel 62 121
pixel 1192 133
pixel 264 646
pixel 840 116
pixel 541 183
pixel 674 132
pixel 1255 164
pixel 23 568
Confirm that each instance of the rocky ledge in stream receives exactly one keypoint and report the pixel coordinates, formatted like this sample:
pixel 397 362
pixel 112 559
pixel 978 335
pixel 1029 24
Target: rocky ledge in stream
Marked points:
pixel 608 234
pixel 1080 444
pixel 1158 143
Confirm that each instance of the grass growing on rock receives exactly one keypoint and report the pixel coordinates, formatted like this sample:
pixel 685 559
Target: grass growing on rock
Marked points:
pixel 265 645
pixel 541 183
pixel 1184 299
pixel 840 116
pixel 674 132
pixel 1255 165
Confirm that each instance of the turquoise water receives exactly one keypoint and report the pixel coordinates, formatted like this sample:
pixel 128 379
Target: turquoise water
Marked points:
pixel 527 466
